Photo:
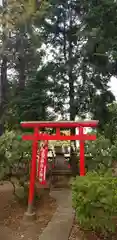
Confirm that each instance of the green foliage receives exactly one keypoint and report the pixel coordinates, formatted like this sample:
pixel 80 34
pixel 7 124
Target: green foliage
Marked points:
pixel 110 129
pixel 76 53
pixel 34 101
pixel 95 201
pixel 22 194
pixel 99 152
pixel 15 158
pixel 114 150
pixel 99 107
pixel 13 152
pixel 80 39
pixel 22 11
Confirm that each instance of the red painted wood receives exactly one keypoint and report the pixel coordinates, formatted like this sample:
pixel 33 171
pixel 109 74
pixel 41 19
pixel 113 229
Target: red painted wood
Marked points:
pixel 58 137
pixel 37 136
pixel 57 131
pixel 92 123
pixel 82 154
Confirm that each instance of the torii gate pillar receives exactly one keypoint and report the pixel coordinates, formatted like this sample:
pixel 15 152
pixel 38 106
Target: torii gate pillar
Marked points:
pixel 37 135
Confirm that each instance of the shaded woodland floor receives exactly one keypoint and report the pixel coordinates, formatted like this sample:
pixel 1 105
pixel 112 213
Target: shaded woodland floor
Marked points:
pixel 78 233
pixel 11 214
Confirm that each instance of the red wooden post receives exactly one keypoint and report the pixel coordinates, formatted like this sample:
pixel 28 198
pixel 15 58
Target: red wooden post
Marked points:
pixel 33 172
pixel 39 136
pixel 82 154
pixel 58 131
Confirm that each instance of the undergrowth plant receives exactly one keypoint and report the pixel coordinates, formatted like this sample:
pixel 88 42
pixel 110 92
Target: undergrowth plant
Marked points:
pixel 15 159
pixel 95 201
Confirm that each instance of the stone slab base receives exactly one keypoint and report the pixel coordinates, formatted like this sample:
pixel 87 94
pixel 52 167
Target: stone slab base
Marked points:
pixel 29 217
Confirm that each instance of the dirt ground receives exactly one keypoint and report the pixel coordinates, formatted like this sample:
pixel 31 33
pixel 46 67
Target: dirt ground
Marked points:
pixel 11 214
pixel 77 233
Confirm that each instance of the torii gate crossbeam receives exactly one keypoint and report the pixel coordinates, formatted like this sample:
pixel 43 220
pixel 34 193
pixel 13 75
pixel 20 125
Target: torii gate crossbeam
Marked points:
pixel 37 136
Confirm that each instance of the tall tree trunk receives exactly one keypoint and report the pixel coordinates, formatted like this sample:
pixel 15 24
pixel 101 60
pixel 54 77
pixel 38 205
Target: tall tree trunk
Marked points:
pixel 21 66
pixel 70 71
pixel 21 72
pixel 70 75
pixel 3 91
pixel 73 158
pixel 3 73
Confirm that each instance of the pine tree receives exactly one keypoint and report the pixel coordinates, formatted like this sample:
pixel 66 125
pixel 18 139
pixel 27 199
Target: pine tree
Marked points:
pixel 79 74
pixel 34 100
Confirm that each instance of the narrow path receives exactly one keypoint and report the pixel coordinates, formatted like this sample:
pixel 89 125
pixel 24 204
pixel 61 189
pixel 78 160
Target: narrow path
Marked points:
pixel 60 225
pixel 59 162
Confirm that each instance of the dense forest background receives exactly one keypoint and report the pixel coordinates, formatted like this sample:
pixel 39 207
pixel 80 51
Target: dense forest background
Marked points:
pixel 57 58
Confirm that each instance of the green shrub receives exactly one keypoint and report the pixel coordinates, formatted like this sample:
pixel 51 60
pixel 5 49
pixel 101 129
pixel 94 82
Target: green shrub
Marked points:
pixel 95 201
pixel 10 143
pixel 15 159
pixel 14 154
pixel 114 150
pixel 99 152
pixel 22 193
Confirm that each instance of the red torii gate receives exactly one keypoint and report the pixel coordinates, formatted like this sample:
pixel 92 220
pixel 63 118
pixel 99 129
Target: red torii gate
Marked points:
pixel 36 136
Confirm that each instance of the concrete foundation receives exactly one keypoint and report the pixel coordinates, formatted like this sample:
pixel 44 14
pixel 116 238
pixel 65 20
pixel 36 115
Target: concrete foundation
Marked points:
pixel 29 217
